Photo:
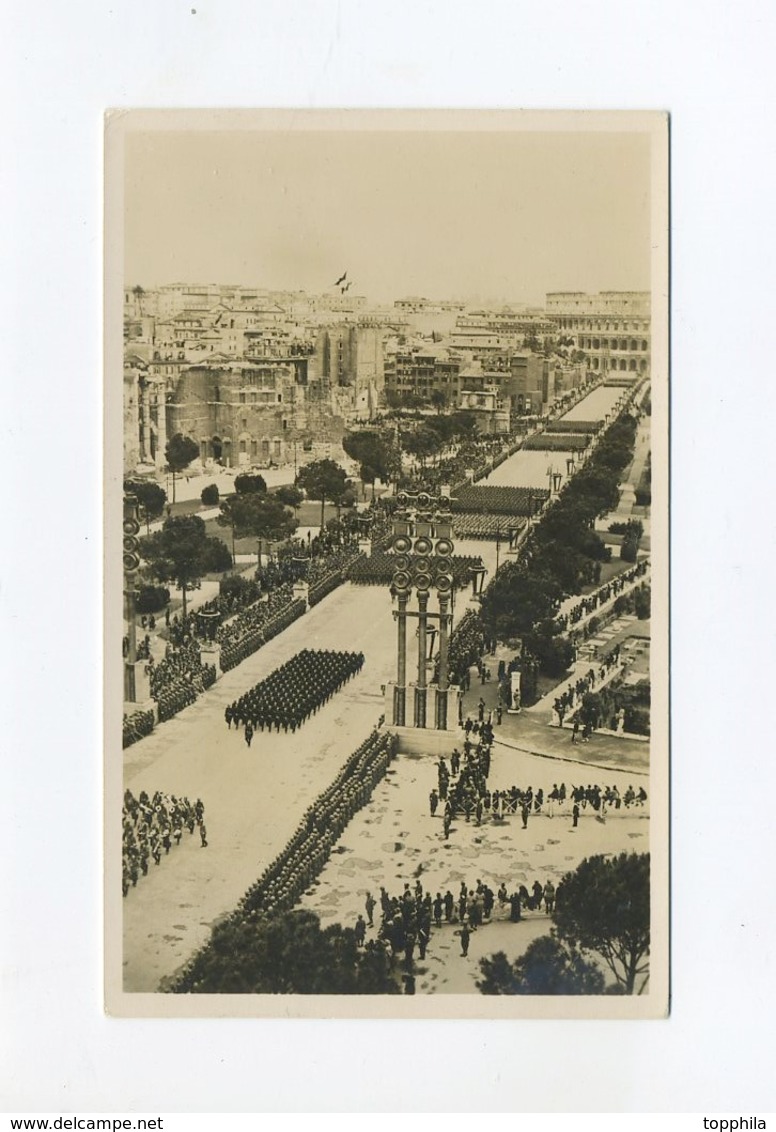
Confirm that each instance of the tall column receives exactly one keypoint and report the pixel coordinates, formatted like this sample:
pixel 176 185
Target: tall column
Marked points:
pixel 400 691
pixel 420 691
pixel 441 717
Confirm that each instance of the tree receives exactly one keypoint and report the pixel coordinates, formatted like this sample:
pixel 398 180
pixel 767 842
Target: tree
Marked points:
pixel 323 479
pixel 257 516
pixel 150 496
pixel 465 423
pixel 348 497
pixel 180 451
pixel 289 495
pixel 439 399
pixel 629 551
pixel 210 495
pixel 152 599
pixel 592 709
pixel 547 967
pixel 603 907
pixel 217 556
pixel 554 652
pixel 250 483
pixel 286 953
pixel 375 453
pixel 642 602
pixel 517 599
pixel 421 443
pixel 179 553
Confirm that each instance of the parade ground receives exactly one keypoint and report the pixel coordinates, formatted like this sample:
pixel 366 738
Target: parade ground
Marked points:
pixel 254 797
pixel 394 841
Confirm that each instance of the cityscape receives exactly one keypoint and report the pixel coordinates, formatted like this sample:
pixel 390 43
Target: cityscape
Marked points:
pixel 387 622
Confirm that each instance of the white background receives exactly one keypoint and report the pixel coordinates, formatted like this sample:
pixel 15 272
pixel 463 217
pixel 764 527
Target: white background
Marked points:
pixel 709 64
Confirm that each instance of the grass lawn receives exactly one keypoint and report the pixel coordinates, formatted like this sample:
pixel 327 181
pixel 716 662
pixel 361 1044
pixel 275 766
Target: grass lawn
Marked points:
pixel 545 684
pixel 309 514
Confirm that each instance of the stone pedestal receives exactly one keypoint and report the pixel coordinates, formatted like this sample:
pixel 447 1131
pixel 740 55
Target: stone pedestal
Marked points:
pixel 514 684
pixel 365 546
pixel 137 688
pixel 425 741
pixel 210 653
pixel 420 699
pixel 302 592
pixel 434 698
pixel 446 715
pixel 396 704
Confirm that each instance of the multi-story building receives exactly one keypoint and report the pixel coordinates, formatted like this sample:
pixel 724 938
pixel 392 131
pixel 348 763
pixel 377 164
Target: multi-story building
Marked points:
pixel 526 382
pixel 484 333
pixel 423 370
pixel 348 363
pixel 613 328
pixel 491 411
pixel 174 298
pixel 240 413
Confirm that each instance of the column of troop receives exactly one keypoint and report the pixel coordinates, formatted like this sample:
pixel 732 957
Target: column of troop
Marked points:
pixel 422 550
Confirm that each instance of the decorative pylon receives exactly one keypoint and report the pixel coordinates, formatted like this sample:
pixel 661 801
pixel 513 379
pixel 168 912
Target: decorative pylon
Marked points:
pixel 423 549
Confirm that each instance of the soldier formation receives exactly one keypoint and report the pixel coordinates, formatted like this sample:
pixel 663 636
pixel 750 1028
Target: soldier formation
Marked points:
pixel 300 862
pixel 151 826
pixel 294 691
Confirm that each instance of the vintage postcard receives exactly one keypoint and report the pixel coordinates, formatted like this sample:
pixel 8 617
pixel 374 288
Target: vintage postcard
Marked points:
pixel 386 605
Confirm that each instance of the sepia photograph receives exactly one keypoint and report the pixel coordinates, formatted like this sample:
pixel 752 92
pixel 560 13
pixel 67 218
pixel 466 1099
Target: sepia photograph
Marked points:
pixel 386 544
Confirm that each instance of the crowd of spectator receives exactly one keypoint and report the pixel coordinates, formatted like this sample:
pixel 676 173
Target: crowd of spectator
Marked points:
pixel 611 589
pixel 136 726
pixel 407 922
pixel 557 802
pixel 570 700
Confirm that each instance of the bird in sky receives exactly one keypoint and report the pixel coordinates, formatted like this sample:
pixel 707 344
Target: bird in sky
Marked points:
pixel 341 279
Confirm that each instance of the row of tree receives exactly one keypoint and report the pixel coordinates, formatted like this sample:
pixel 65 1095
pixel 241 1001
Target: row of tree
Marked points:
pixel 182 552
pixel 563 553
pixel 601 922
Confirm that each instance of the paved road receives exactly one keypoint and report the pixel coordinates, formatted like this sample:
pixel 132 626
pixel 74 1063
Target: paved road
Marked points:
pixel 254 798
pixel 527 468
pixel 394 840
pixel 596 405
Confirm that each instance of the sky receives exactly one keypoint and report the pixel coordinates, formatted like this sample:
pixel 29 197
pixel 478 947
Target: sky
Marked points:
pixel 443 214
